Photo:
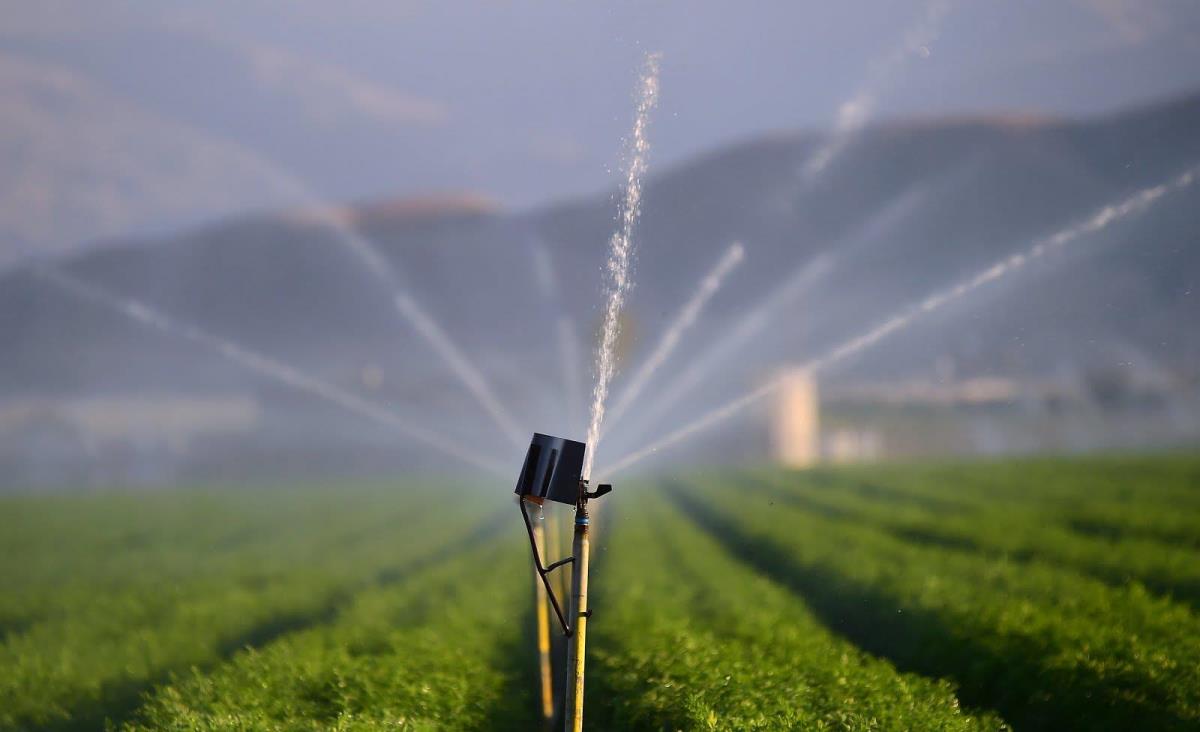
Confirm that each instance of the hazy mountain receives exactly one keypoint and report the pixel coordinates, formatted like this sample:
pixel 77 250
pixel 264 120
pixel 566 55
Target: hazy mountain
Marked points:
pixel 908 208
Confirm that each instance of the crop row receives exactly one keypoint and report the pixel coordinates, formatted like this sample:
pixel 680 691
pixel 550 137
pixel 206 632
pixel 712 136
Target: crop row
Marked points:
pixel 95 642
pixel 1047 647
pixel 1018 532
pixel 447 649
pixel 59 553
pixel 1147 498
pixel 688 637
pixel 868 598
pixel 1165 482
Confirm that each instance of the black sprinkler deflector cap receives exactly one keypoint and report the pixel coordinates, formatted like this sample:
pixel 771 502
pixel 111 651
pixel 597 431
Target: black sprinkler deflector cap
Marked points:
pixel 552 469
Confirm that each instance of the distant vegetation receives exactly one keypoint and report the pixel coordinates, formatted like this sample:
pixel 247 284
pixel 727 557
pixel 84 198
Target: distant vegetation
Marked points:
pixel 1046 595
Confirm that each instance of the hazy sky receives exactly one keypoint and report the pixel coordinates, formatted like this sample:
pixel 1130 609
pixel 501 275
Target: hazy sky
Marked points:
pixel 125 116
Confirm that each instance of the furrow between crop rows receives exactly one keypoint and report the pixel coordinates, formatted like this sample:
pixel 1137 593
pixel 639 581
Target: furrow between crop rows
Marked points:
pixel 1017 533
pixel 446 649
pixel 687 638
pixel 75 669
pixel 1048 648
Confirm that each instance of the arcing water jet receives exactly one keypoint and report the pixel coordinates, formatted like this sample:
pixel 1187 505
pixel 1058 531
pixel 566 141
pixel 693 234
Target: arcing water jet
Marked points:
pixel 727 345
pixel 853 114
pixel 1131 205
pixel 683 322
pixel 621 254
pixel 767 310
pixel 149 316
pixel 405 304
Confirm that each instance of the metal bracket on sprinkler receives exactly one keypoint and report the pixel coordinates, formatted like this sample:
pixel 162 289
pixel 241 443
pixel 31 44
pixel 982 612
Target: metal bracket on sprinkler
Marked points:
pixel 601 490
pixel 552 471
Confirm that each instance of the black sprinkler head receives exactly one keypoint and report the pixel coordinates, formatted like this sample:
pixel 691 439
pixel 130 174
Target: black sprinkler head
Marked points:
pixel 553 467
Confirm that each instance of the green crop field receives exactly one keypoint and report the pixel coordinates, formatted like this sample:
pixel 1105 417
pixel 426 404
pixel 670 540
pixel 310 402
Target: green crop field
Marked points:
pixel 1027 595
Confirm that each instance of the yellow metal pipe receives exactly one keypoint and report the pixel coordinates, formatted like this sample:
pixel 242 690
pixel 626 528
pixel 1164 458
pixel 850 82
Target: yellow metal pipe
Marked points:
pixel 576 647
pixel 557 548
pixel 542 615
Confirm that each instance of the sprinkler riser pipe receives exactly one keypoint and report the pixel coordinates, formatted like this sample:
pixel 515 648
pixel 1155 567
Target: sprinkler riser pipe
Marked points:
pixel 577 645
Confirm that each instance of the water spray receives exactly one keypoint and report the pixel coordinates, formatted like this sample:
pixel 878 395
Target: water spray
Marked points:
pixel 852 115
pixel 1134 204
pixel 683 322
pixel 146 315
pixel 621 254
pixel 755 320
pixel 470 376
pixel 333 221
pixel 730 343
pixel 553 470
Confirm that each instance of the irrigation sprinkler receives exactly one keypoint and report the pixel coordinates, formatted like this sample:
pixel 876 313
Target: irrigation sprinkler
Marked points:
pixel 553 471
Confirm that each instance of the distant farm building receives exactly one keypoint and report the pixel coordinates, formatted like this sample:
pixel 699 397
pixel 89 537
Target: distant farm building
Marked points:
pixel 865 421
pixel 795 428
